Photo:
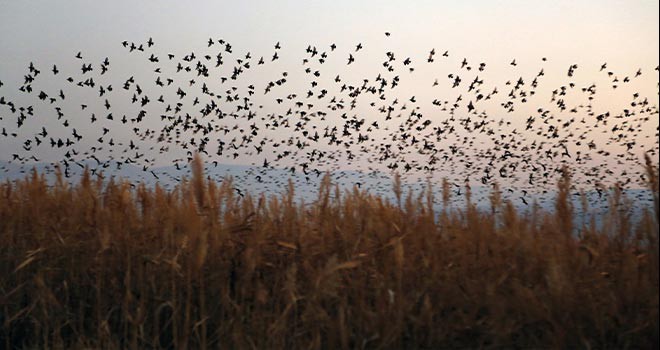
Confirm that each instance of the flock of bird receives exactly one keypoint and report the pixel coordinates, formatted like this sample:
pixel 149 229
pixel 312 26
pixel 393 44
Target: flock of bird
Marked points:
pixel 216 103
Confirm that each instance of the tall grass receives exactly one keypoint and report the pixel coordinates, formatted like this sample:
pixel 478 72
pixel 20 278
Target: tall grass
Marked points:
pixel 117 265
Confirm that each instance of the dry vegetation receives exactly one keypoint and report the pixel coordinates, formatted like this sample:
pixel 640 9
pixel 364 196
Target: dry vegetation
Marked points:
pixel 116 266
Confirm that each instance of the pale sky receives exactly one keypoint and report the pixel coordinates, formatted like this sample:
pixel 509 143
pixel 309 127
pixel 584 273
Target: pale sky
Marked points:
pixel 625 34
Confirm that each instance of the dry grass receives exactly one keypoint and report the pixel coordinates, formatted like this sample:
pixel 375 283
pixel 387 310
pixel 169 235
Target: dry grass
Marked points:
pixel 111 266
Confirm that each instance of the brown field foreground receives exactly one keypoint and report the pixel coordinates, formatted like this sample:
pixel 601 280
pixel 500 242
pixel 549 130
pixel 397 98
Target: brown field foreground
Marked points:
pixel 110 266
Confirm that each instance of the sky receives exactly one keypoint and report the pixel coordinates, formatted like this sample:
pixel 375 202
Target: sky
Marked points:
pixel 625 34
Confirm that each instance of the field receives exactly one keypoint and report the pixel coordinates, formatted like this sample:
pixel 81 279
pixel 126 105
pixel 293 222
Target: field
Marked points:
pixel 117 265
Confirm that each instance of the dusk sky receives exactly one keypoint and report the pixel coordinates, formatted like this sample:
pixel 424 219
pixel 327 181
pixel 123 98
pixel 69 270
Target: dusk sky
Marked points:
pixel 623 34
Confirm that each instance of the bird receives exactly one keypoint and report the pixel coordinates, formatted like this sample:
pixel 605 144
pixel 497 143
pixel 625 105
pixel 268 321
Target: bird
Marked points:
pixel 215 102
